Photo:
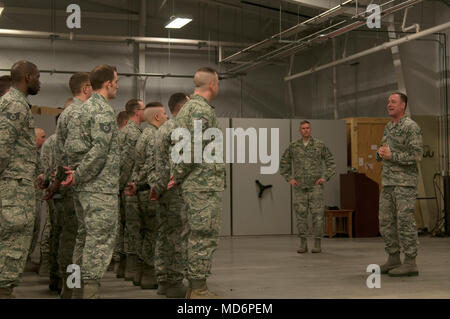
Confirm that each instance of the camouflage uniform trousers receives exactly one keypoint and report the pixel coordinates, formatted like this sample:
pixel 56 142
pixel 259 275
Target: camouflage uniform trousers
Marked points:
pixel 133 226
pixel 53 240
pixel 67 226
pixel 309 200
pixel 45 240
pixel 204 211
pixel 97 227
pixel 120 244
pixel 397 220
pixel 37 222
pixel 171 242
pixel 149 221
pixel 17 214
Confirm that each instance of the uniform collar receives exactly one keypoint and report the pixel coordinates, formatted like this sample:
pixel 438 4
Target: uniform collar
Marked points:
pixel 98 96
pixel 151 124
pixel 200 98
pixel 18 93
pixel 133 123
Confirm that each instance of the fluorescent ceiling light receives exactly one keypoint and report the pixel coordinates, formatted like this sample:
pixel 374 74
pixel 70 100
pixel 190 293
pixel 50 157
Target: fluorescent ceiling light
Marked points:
pixel 1 10
pixel 177 22
pixel 2 7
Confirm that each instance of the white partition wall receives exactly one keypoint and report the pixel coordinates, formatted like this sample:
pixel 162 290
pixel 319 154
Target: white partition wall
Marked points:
pixel 270 214
pixel 333 134
pixel 225 229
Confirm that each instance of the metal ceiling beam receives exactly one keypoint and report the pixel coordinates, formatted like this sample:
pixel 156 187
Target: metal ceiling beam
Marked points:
pixel 317 37
pixel 381 47
pixel 316 4
pixel 290 32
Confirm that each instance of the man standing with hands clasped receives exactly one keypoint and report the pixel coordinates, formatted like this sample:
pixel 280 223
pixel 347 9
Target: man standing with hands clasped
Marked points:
pixel 401 150
pixel 302 165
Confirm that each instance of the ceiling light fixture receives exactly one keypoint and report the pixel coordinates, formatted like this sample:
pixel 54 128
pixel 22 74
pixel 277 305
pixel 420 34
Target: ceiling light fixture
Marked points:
pixel 2 7
pixel 177 22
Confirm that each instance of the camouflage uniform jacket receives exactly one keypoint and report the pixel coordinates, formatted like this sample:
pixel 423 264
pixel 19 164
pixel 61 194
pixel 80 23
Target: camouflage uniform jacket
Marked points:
pixel 405 143
pixel 95 139
pixel 160 176
pixel 17 137
pixel 143 155
pixel 128 137
pixel 198 176
pixel 62 133
pixel 307 162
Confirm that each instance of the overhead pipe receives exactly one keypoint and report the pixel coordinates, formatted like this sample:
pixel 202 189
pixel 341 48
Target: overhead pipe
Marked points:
pixel 383 46
pixel 157 75
pixel 104 38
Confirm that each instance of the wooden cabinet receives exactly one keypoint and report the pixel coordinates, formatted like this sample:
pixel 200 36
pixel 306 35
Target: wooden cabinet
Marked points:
pixel 363 139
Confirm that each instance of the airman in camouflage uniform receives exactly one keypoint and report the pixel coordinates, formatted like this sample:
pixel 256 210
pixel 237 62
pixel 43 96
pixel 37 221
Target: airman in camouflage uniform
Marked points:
pixel 170 260
pixel 302 165
pixel 40 139
pixel 47 160
pixel 202 185
pixel 81 89
pixel 17 174
pixel 128 137
pixel 154 115
pixel 401 150
pixel 93 137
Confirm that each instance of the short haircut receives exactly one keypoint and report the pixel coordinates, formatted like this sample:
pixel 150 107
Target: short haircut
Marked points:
pixel 77 81
pixel 101 74
pixel 207 69
pixel 154 104
pixel 122 117
pixel 304 122
pixel 131 106
pixel 403 97
pixel 20 69
pixel 175 100
pixel 5 84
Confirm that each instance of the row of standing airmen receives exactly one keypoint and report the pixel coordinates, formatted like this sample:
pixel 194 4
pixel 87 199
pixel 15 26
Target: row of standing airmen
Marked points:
pixel 98 183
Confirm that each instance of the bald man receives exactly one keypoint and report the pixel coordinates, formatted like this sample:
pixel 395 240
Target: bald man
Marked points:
pixel 155 115
pixel 17 174
pixel 201 184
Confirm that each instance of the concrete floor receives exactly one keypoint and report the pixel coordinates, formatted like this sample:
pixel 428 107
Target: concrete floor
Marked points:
pixel 269 267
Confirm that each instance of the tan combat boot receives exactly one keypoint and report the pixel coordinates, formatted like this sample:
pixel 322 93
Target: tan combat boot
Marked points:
pixel 392 262
pixel 120 266
pixel 303 245
pixel 130 268
pixel 91 289
pixel 6 292
pixel 176 290
pixel 66 292
pixel 317 248
pixel 162 287
pixel 409 268
pixel 199 290
pixel 148 279
pixel 139 271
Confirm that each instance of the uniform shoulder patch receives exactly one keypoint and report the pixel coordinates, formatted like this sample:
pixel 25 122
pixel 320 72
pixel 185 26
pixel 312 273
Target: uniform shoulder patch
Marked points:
pixel 13 116
pixel 105 127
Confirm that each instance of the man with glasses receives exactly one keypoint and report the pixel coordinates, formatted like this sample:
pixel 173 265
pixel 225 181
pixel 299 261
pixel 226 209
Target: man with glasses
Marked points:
pixel 81 88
